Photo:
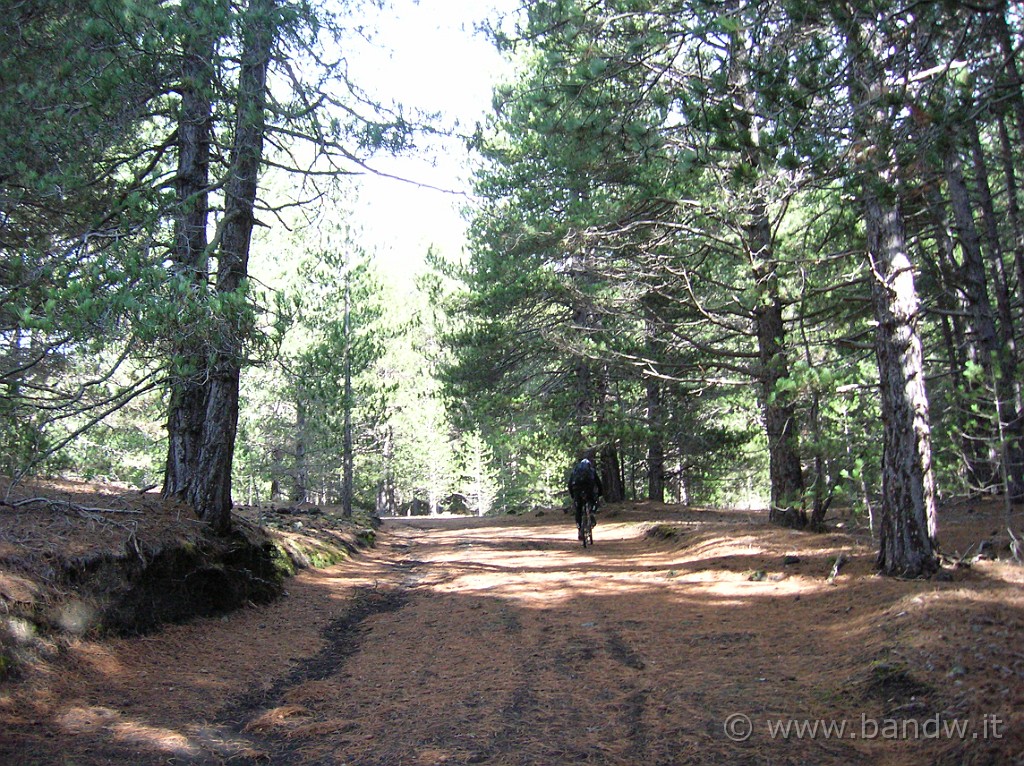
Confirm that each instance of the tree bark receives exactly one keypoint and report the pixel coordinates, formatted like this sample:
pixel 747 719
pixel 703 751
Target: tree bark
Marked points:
pixel 611 474
pixel 655 405
pixel 655 444
pixel 780 422
pixel 785 468
pixel 944 270
pixel 387 502
pixel 210 492
pixel 994 355
pixel 1015 94
pixel 1007 386
pixel 908 530
pixel 1012 204
pixel 300 481
pixel 347 456
pixel 188 391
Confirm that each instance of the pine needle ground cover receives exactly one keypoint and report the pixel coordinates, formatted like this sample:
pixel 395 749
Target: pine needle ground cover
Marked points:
pixel 684 636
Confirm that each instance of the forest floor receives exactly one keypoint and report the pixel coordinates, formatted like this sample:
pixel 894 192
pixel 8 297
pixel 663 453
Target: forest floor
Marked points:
pixel 684 636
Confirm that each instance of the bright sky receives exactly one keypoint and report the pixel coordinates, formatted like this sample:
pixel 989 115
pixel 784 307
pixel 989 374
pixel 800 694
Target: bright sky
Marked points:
pixel 427 56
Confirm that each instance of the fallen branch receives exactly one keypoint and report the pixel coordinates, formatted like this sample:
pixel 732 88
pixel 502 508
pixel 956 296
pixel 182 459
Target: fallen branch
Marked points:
pixel 840 560
pixel 958 560
pixel 59 505
pixel 1016 548
pixel 26 501
pixel 140 490
pixel 104 510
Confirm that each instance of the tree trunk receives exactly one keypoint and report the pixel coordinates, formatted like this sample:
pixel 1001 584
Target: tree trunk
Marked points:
pixel 1007 386
pixel 347 457
pixel 944 270
pixel 611 474
pixel 655 445
pixel 1013 204
pixel 1009 48
pixel 993 245
pixel 1015 94
pixel 908 527
pixel 995 358
pixel 300 484
pixel 653 303
pixel 583 377
pixel 387 502
pixel 785 468
pixel 822 491
pixel 780 420
pixel 210 492
pixel 187 396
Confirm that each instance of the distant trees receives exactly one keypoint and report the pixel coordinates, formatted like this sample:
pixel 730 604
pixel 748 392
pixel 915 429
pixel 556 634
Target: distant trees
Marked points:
pixel 727 199
pixel 335 384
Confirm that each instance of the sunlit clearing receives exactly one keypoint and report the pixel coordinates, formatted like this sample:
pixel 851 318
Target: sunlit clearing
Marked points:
pixel 551 568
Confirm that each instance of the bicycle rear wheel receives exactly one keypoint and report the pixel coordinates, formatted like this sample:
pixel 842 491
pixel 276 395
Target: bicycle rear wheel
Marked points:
pixel 586 526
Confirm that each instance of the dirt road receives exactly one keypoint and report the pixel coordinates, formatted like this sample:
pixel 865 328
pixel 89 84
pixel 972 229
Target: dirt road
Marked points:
pixel 463 641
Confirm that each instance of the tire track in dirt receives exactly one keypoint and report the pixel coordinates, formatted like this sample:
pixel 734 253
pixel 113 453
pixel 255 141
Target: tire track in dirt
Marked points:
pixel 530 695
pixel 252 717
pixel 342 638
pixel 612 671
pixel 582 697
pixel 635 708
pixel 501 641
pixel 497 642
pixel 512 646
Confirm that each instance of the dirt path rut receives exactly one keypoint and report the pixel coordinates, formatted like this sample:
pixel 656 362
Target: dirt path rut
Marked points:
pixel 498 642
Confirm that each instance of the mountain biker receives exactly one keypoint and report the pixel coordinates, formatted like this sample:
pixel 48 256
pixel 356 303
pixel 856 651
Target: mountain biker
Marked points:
pixel 584 487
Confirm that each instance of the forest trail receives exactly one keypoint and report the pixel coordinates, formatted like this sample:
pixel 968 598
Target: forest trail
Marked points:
pixel 503 641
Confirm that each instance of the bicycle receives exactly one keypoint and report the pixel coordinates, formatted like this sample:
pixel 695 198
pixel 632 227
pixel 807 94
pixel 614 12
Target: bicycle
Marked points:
pixel 586 525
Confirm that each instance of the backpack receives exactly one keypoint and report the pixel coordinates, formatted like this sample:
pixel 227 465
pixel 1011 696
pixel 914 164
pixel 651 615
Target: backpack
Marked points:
pixel 583 477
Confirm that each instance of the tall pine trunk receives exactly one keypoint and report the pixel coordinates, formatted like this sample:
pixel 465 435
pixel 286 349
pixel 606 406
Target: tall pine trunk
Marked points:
pixel 210 491
pixel 347 456
pixel 780 421
pixel 1007 385
pixel 785 469
pixel 609 465
pixel 944 270
pixel 1016 220
pixel 188 391
pixel 300 480
pixel 655 443
pixel 994 355
pixel 1015 95
pixel 908 525
pixel 655 406
pixel 387 500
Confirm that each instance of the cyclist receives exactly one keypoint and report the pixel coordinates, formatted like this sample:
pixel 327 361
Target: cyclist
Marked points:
pixel 584 487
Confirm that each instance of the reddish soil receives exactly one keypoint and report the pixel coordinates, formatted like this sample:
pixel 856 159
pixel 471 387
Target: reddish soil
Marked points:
pixel 502 641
